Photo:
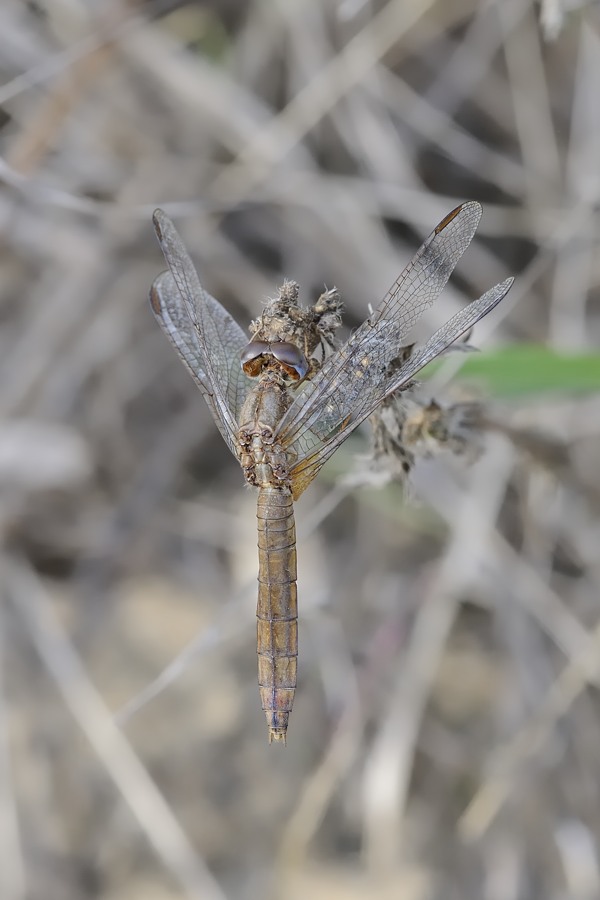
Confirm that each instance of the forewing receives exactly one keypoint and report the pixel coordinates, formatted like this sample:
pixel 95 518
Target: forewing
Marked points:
pixel 173 317
pixel 218 339
pixel 351 381
pixel 313 451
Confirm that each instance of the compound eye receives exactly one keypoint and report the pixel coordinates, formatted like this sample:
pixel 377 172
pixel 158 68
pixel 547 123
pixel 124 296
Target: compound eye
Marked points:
pixel 253 350
pixel 251 357
pixel 291 357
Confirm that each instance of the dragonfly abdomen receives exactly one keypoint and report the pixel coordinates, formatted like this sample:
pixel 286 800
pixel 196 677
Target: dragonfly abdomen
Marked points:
pixel 277 609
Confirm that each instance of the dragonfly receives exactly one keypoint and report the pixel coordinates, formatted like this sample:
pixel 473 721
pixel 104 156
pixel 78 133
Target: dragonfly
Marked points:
pixel 286 398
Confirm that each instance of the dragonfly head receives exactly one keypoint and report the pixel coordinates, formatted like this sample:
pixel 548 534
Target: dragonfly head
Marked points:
pixel 258 354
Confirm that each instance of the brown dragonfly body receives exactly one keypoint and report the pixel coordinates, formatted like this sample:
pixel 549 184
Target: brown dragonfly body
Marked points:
pixel 265 465
pixel 285 400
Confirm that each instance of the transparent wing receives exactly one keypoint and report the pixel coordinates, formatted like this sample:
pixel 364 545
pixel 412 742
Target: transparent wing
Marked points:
pixel 313 449
pixel 445 336
pixel 209 336
pixel 351 381
pixel 173 317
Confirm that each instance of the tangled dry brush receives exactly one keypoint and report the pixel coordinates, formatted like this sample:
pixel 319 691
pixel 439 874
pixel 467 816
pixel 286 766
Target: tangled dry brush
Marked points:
pixel 444 741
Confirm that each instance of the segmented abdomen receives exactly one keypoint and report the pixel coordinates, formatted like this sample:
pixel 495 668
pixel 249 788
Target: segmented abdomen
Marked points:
pixel 277 609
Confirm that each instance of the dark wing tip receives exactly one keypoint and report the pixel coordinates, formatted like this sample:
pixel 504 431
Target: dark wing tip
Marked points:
pixel 156 294
pixel 447 219
pixel 158 218
pixel 472 205
pixel 154 298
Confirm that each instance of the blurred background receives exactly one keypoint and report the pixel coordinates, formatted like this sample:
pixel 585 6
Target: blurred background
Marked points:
pixel 444 740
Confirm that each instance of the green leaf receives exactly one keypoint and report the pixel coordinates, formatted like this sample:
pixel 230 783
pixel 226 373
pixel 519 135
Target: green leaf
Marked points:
pixel 520 369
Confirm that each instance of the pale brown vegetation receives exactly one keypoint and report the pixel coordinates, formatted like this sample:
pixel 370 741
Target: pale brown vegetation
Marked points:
pixel 444 740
